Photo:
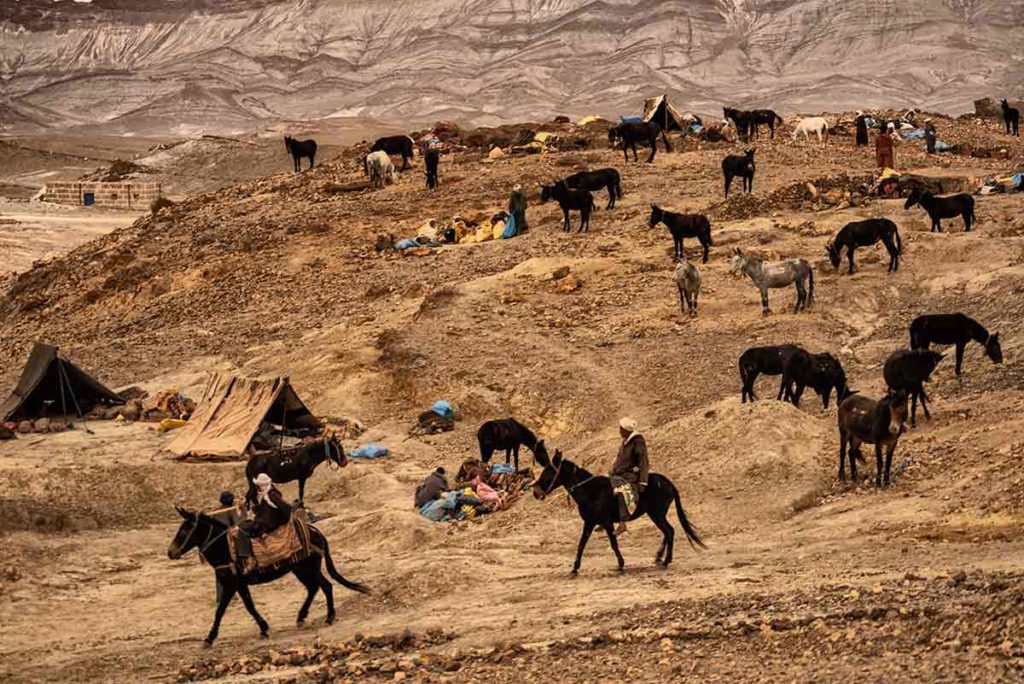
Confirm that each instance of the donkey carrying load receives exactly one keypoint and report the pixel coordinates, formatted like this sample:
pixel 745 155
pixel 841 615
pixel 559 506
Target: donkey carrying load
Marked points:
pixel 775 274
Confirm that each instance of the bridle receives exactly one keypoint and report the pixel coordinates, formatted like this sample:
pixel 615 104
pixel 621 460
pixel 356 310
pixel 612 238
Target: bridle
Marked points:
pixel 554 479
pixel 207 542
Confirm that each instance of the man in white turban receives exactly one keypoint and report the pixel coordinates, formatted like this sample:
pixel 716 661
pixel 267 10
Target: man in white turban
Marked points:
pixel 270 512
pixel 630 470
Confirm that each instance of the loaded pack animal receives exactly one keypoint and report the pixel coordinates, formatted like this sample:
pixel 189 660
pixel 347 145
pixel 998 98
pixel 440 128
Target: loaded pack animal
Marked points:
pixel 957 329
pixel 570 200
pixel 770 360
pixel 396 145
pixel 820 372
pixel 431 160
pixel 812 124
pixel 864 234
pixel 939 208
pixel 687 279
pixel 774 274
pixel 908 370
pixel 379 168
pixel 629 134
pixel 739 166
pixel 597 506
pixel 300 149
pixel 683 226
pixel 863 420
pixel 209 536
pixel 294 464
pixel 1011 118
pixel 747 122
pixel 597 180
pixel 508 434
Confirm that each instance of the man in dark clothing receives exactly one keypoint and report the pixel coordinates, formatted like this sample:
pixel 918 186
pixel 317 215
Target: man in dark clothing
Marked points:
pixel 861 122
pixel 431 488
pixel 929 136
pixel 229 514
pixel 271 512
pixel 517 207
pixel 630 470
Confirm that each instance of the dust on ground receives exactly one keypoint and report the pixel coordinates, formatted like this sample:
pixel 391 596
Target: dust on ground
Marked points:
pixel 279 275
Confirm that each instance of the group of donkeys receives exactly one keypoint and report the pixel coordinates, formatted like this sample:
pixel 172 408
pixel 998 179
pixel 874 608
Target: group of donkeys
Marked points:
pixel 862 420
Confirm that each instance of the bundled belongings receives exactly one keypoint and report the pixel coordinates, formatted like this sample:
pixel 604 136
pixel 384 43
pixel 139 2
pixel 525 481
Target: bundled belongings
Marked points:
pixel 168 403
pixel 479 490
pixel 51 385
pixel 234 412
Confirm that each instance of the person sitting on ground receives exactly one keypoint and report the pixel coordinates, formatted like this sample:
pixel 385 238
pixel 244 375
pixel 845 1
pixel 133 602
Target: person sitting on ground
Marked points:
pixel 271 512
pixel 517 207
pixel 434 486
pixel 630 470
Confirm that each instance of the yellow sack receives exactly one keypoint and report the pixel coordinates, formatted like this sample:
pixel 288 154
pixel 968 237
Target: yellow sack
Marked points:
pixel 168 424
pixel 483 235
pixel 497 229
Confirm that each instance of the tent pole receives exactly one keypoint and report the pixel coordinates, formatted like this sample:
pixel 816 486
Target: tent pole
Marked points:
pixel 71 391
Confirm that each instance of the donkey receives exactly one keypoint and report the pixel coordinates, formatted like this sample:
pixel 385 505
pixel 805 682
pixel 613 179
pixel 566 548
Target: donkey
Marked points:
pixel 820 372
pixel 863 420
pixel 629 134
pixel 294 464
pixel 508 434
pixel 396 144
pixel 1011 118
pixel 864 234
pixel 596 180
pixel 812 124
pixel 769 360
pixel 957 329
pixel 747 122
pixel 939 208
pixel 687 279
pixel 741 165
pixel 908 370
pixel 776 274
pixel 683 226
pixel 596 504
pixel 209 535
pixel 431 159
pixel 570 200
pixel 300 149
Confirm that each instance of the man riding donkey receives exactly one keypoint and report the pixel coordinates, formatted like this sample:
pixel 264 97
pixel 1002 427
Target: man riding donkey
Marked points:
pixel 629 472
pixel 271 512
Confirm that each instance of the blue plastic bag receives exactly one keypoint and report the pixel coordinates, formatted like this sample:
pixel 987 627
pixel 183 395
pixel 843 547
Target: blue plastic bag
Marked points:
pixel 503 469
pixel 444 409
pixel 371 450
pixel 510 228
pixel 407 243
pixel 631 119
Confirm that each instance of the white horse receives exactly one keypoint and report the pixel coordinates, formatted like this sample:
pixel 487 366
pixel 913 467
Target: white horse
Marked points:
pixel 812 124
pixel 687 279
pixel 776 274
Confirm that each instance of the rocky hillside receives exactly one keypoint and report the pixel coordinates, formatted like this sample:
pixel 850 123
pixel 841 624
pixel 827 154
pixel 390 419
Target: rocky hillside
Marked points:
pixel 183 65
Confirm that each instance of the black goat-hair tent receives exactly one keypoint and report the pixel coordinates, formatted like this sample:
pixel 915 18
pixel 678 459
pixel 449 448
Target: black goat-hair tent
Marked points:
pixel 51 385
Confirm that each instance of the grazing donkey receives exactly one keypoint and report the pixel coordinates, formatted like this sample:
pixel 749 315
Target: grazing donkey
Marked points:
pixel 747 122
pixel 908 370
pixel 300 149
pixel 770 360
pixel 396 144
pixel 957 329
pixel 864 234
pixel 595 180
pixel 776 274
pixel 812 124
pixel 570 200
pixel 632 133
pixel 742 166
pixel 682 226
pixel 821 372
pixel 1011 117
pixel 687 279
pixel 939 208
pixel 863 420
pixel 506 434
pixel 431 159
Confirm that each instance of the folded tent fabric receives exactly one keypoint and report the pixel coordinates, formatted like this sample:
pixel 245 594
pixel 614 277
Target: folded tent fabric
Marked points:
pixel 370 451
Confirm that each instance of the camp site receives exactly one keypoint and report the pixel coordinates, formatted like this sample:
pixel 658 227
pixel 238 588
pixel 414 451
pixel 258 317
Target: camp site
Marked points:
pixel 572 342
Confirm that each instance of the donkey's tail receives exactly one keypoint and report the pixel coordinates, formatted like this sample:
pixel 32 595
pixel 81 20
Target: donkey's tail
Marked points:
pixel 691 533
pixel 810 285
pixel 899 243
pixel 354 586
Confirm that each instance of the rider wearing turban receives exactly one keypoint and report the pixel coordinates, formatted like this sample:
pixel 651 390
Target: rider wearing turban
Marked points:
pixel 631 466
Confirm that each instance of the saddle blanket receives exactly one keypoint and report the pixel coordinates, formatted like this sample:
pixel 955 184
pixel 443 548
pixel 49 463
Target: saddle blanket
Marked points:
pixel 287 544
pixel 622 488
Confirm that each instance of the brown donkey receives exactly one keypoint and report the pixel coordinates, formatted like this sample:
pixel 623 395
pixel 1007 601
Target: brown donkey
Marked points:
pixel 864 420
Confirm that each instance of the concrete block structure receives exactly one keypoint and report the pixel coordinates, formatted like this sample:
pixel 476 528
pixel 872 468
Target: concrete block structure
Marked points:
pixel 127 196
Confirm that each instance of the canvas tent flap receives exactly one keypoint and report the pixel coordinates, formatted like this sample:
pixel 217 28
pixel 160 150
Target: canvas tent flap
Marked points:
pixel 668 117
pixel 231 411
pixel 50 383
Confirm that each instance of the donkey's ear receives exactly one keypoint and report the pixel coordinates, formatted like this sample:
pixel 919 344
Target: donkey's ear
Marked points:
pixel 185 513
pixel 995 337
pixel 557 460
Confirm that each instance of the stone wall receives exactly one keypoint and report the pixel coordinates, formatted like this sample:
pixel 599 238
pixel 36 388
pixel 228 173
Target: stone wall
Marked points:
pixel 127 196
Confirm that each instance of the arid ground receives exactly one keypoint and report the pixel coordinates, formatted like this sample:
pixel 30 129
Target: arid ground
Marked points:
pixel 804 579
